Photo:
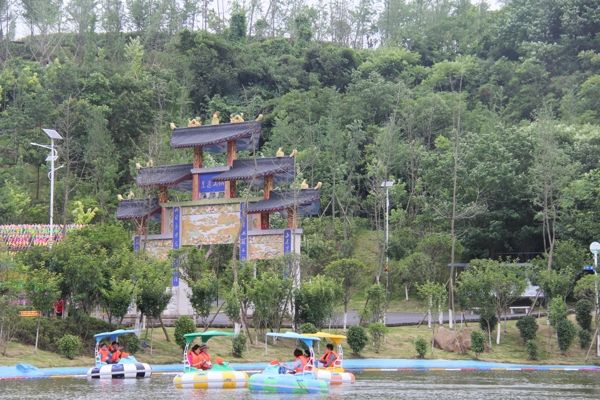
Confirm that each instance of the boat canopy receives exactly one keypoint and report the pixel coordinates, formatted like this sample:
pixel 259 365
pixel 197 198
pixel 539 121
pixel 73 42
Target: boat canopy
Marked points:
pixel 205 336
pixel 306 339
pixel 332 337
pixel 111 336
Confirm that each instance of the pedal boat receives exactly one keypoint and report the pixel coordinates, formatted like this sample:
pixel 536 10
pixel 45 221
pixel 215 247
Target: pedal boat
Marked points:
pixel 219 376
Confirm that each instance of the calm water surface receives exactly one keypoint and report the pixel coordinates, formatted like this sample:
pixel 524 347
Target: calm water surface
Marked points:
pixel 430 385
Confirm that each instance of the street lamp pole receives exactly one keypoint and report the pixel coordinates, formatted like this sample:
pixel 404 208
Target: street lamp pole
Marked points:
pixel 595 249
pixel 53 156
pixel 387 185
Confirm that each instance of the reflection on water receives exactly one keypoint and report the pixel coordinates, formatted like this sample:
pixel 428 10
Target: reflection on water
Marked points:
pixel 430 385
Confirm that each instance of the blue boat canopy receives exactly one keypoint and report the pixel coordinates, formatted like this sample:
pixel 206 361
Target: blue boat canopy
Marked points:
pixel 111 336
pixel 307 340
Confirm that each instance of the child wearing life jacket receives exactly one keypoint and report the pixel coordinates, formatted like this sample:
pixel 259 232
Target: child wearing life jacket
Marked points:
pixel 199 357
pixel 118 354
pixel 104 353
pixel 299 363
pixel 328 359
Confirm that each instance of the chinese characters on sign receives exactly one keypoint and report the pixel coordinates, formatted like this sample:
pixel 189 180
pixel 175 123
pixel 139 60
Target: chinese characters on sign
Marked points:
pixel 243 232
pixel 287 241
pixel 176 243
pixel 208 186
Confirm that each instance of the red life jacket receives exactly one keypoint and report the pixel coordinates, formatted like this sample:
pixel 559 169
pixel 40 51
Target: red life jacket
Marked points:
pixel 104 353
pixel 325 359
pixel 303 360
pixel 204 360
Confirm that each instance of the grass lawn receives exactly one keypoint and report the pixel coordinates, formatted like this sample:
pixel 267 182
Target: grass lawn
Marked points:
pixel 399 343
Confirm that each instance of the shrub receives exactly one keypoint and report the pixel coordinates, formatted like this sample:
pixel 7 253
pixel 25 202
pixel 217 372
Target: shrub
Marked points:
pixel 490 319
pixel 183 325
pixel 308 327
pixel 357 339
pixel 527 328
pixel 421 347
pixel 377 330
pixel 557 311
pixel 131 343
pixel 566 332
pixel 585 338
pixel 532 350
pixel 583 314
pixel 477 342
pixel 69 346
pixel 238 345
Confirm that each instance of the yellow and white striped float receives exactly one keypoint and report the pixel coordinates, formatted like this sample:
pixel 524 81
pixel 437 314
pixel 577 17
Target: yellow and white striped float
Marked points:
pixel 335 375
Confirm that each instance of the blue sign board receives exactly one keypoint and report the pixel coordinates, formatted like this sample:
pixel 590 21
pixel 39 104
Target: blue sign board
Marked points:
pixel 176 243
pixel 243 232
pixel 208 186
pixel 287 241
pixel 136 243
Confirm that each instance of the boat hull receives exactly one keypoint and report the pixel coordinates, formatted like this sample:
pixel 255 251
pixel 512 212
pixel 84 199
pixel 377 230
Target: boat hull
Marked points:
pixel 211 380
pixel 335 376
pixel 120 371
pixel 288 383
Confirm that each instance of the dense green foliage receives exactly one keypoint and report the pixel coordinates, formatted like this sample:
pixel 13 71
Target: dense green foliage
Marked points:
pixel 565 331
pixel 238 345
pixel 69 346
pixel 583 314
pixel 183 325
pixel 585 338
pixel 357 338
pixel 377 330
pixel 308 327
pixel 557 311
pixel 527 328
pixel 532 350
pixel 477 342
pixel 421 347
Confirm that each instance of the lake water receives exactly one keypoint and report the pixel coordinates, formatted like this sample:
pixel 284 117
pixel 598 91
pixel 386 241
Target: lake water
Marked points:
pixel 413 385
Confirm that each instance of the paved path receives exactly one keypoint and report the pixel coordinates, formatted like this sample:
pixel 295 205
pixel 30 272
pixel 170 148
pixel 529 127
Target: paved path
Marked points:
pixel 393 318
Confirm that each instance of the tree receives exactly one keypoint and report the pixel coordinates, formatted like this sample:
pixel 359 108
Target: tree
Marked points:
pixel 315 300
pixel 43 290
pixel 270 294
pixel 491 284
pixel 204 292
pixel 435 294
pixel 117 299
pixel 350 272
pixel 152 297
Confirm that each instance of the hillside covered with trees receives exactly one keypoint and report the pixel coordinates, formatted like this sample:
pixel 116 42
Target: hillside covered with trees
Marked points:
pixel 488 120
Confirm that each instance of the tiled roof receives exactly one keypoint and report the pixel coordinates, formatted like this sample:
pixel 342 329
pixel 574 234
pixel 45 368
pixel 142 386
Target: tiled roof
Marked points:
pixel 167 175
pixel 307 200
pixel 247 169
pixel 214 138
pixel 136 208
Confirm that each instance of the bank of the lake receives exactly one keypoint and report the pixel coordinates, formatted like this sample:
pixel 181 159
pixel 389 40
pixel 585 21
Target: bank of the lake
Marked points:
pixel 399 344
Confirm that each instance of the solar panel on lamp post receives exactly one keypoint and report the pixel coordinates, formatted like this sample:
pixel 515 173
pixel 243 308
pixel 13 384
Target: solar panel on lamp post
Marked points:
pixel 52 157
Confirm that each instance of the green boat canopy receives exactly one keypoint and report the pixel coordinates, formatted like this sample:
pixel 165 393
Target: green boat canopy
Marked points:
pixel 205 336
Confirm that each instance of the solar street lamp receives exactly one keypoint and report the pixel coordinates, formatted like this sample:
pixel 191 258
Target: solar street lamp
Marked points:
pixel 52 157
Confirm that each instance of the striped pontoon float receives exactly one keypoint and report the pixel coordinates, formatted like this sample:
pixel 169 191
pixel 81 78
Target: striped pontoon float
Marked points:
pixel 127 367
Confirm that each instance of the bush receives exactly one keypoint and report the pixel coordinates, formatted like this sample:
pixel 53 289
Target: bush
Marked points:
pixel 69 346
pixel 490 319
pixel 131 343
pixel 583 314
pixel 585 338
pixel 527 328
pixel 238 345
pixel 183 325
pixel 377 330
pixel 557 311
pixel 421 347
pixel 566 332
pixel 477 342
pixel 532 350
pixel 357 339
pixel 308 327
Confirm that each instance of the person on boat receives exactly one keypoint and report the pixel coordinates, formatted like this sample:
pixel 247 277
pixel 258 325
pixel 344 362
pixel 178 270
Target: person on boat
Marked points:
pixel 299 363
pixel 199 357
pixel 104 353
pixel 118 354
pixel 329 357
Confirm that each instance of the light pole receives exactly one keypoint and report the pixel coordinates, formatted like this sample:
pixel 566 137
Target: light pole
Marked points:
pixel 387 185
pixel 595 249
pixel 53 156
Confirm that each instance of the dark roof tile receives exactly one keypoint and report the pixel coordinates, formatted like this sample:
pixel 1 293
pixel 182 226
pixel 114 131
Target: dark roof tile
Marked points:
pixel 214 138
pixel 137 208
pixel 247 169
pixel 164 175
pixel 307 200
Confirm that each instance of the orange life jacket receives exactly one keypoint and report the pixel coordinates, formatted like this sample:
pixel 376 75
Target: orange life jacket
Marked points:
pixel 325 359
pixel 303 360
pixel 104 353
pixel 204 360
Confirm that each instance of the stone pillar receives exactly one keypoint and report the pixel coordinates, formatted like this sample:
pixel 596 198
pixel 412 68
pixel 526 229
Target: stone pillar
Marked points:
pixel 267 187
pixel 230 191
pixel 163 197
pixel 196 177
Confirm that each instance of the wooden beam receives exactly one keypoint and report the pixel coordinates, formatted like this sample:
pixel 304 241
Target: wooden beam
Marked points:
pixel 291 218
pixel 231 152
pixel 198 159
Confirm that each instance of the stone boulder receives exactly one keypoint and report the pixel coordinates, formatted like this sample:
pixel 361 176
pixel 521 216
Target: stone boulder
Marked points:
pixel 452 341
